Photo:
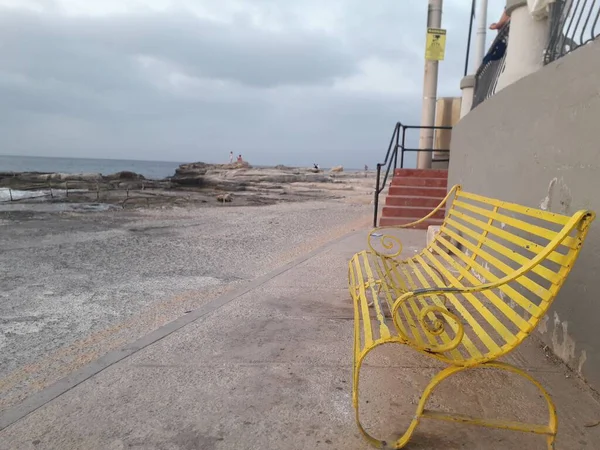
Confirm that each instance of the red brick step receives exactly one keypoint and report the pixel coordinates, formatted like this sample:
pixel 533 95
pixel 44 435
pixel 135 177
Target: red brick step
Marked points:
pixel 406 200
pixel 418 181
pixel 424 173
pixel 391 221
pixel 414 194
pixel 417 191
pixel 410 211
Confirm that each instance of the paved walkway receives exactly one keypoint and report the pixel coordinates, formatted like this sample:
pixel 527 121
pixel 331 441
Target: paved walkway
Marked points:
pixel 269 367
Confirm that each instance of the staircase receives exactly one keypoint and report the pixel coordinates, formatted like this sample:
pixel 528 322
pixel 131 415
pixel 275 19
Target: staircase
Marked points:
pixel 414 193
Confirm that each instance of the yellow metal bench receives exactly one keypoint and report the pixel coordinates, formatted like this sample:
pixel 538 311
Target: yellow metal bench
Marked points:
pixel 473 295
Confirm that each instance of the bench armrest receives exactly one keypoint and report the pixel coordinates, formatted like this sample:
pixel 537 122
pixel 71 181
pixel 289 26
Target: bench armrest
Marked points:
pixel 390 242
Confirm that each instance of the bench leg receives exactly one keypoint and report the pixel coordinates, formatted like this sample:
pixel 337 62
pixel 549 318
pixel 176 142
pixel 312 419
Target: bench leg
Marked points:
pixel 358 360
pixel 549 431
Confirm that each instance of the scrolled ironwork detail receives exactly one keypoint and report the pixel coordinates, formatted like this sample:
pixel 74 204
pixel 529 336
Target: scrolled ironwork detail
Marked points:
pixel 438 326
pixel 387 241
pixel 432 326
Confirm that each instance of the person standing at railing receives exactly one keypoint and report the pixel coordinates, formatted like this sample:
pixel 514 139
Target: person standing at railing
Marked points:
pixel 504 19
pixel 538 8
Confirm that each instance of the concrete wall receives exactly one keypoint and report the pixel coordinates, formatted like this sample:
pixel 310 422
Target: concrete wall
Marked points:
pixel 447 114
pixel 537 142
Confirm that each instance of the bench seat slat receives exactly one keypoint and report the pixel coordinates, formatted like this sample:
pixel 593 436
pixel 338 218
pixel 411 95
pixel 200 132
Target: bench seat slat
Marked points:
pixel 534 288
pixel 481 309
pixel 444 337
pixel 384 332
pixel 511 221
pixel 475 302
pixel 498 302
pixel 394 285
pixel 542 271
pixel 399 284
pixel 527 211
pixel 392 288
pixel 408 309
pixel 485 338
pixel 364 306
pixel 467 343
pixel 528 283
pixel 518 241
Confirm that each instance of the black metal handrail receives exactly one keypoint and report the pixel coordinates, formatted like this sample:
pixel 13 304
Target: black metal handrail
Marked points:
pixel 398 143
pixel 468 52
pixel 573 23
pixel 488 74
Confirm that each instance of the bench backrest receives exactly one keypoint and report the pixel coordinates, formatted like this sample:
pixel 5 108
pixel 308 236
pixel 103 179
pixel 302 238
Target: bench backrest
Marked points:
pixel 484 240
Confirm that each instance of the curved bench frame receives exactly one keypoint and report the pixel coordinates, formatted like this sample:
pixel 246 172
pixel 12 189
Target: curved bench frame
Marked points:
pixel 548 430
pixel 580 221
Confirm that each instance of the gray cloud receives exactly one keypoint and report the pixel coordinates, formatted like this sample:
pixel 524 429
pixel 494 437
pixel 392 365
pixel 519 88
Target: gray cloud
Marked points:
pixel 172 85
pixel 98 51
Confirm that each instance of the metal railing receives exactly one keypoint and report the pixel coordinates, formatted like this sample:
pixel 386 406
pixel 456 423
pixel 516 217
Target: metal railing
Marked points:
pixel 398 145
pixel 573 23
pixel 469 34
pixel 486 78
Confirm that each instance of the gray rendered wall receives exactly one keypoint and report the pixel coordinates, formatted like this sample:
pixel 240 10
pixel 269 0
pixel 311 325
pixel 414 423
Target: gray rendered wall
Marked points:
pixel 537 142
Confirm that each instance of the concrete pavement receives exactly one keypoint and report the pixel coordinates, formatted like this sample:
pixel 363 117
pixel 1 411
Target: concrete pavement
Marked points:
pixel 73 287
pixel 269 367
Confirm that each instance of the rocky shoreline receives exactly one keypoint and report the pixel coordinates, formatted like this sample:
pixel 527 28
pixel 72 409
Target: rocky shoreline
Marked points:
pixel 239 176
pixel 237 183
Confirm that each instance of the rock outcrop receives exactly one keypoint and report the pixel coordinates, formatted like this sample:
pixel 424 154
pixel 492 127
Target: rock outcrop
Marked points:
pixel 202 178
pixel 41 180
pixel 240 176
pixel 224 198
pixel 238 184
pixel 125 175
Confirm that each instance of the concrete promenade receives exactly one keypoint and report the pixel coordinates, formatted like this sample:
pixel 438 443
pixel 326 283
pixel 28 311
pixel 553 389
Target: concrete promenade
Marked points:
pixel 268 366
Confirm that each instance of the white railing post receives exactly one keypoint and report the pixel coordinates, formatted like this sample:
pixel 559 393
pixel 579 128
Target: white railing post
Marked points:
pixel 526 43
pixel 467 87
pixel 482 24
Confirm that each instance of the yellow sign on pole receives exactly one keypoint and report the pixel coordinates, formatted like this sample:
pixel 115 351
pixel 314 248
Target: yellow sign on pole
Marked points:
pixel 435 47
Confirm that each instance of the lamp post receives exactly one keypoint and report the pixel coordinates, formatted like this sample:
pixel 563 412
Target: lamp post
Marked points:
pixel 482 13
pixel 430 81
pixel 468 52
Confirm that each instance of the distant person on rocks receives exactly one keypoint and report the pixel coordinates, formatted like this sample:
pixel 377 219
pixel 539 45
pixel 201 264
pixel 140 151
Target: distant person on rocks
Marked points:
pixel 230 157
pixel 366 170
pixel 316 166
pixel 239 158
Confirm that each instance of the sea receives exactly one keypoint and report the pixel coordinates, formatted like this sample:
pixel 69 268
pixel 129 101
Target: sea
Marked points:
pixel 149 169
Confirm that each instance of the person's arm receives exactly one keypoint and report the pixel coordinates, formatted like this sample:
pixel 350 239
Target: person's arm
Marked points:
pixel 503 20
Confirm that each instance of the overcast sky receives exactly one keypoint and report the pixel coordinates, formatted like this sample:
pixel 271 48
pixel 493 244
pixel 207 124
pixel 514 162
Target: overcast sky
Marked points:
pixel 280 81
